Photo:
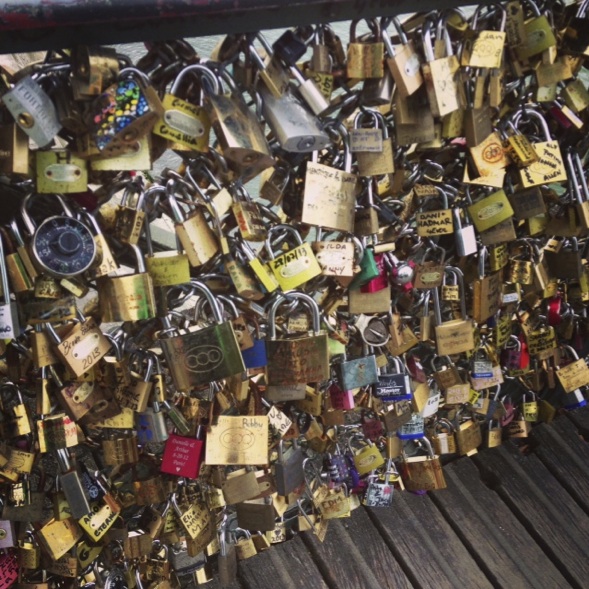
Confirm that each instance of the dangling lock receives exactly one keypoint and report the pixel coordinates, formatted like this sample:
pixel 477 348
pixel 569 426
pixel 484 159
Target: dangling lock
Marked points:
pixel 248 215
pixel 403 61
pixel 358 372
pixel 339 259
pixel 104 262
pixel 61 245
pixel 372 146
pixel 466 241
pixel 440 74
pixel 9 321
pixel 423 473
pixel 295 267
pixel 193 231
pixel 565 263
pixel 240 135
pixel 329 193
pixel 82 347
pixel 197 358
pixel 455 336
pixel 367 457
pixel 297 360
pixel 444 437
pixel 550 165
pixel 486 50
pixel 183 122
pixel 125 111
pixel 538 35
pixel 393 385
pixel 33 110
pixel 129 219
pixel 365 58
pixel 168 268
pixel 295 128
pixel 127 298
pixel 183 456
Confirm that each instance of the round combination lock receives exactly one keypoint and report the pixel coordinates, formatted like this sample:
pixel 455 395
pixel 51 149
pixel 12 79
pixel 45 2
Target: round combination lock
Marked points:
pixel 64 246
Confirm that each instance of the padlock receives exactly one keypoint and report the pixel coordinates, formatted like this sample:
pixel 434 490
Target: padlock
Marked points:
pixel 423 473
pixel 127 298
pixel 440 73
pixel 443 437
pixel 193 231
pixel 372 146
pixel 550 165
pixel 241 138
pixel 466 243
pixel 82 347
pixel 184 123
pixel 299 360
pixel 33 110
pixel 9 320
pixel 256 515
pixel 485 50
pixel 182 456
pixel 329 193
pixel 403 61
pixel 71 485
pixel 120 448
pixel 60 171
pixel 61 246
pixel 538 35
pixel 209 354
pixel 365 58
pixel 125 111
pixel 295 128
pixel 454 336
pixel 248 215
pixel 367 457
pixel 295 267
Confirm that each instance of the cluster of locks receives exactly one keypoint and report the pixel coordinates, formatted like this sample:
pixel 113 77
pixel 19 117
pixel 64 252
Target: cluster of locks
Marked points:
pixel 378 263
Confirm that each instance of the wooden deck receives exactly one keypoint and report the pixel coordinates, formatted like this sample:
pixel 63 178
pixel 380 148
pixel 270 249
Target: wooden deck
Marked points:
pixel 509 518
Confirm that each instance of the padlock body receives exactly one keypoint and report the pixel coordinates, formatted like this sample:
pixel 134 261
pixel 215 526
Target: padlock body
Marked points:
pixel 198 358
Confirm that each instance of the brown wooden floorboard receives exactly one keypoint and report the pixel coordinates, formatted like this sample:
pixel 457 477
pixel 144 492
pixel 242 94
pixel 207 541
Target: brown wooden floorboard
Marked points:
pixel 285 566
pixel 375 552
pixel 546 510
pixel 497 541
pixel 427 548
pixel 566 456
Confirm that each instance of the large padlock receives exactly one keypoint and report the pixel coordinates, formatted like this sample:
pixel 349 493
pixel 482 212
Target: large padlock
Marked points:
pixel 184 123
pixel 365 59
pixel 294 267
pixel 129 297
pixel 301 359
pixel 454 336
pixel 33 110
pixel 125 111
pixel 423 473
pixel 240 136
pixel 197 358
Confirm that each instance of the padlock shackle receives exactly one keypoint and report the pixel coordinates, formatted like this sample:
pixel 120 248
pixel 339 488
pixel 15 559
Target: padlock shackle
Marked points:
pixel 495 6
pixel 203 72
pixel 527 113
pixel 280 227
pixel 4 275
pixel 287 297
pixel 210 297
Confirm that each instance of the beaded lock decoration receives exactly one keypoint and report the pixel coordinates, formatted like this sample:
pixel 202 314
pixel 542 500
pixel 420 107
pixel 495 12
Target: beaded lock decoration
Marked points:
pixel 120 106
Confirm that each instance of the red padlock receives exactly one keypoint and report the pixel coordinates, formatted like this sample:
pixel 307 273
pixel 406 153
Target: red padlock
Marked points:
pixel 182 456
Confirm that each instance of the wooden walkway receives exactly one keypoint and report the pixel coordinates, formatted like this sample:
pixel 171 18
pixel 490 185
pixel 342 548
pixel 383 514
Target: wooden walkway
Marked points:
pixel 508 519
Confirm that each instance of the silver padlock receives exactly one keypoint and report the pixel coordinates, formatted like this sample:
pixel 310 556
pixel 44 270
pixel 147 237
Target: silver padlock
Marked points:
pixel 9 324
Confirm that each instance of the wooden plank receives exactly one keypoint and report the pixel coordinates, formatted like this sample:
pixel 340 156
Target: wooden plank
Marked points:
pixel 546 510
pixel 424 544
pixel 339 559
pixel 566 456
pixel 580 417
pixel 287 566
pixel 375 552
pixel 508 555
pixel 297 560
